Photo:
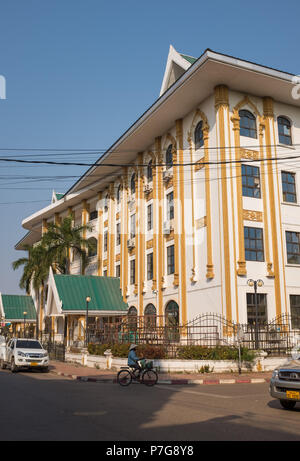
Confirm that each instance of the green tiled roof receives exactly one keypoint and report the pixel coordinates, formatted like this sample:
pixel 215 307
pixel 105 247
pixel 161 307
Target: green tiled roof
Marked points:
pixel 189 58
pixel 104 292
pixel 15 305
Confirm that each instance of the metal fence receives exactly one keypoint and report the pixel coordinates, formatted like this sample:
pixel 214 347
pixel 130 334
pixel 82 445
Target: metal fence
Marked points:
pixel 208 330
pixel 56 351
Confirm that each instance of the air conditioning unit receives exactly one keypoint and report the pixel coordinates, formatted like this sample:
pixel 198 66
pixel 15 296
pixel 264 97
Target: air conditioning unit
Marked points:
pixel 167 228
pixel 167 175
pixel 130 244
pixel 257 182
pixel 147 189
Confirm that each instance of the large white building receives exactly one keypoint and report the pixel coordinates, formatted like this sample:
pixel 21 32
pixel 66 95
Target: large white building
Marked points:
pixel 185 207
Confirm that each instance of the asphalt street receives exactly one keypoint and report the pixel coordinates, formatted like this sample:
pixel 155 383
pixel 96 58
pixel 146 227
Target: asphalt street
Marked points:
pixel 37 406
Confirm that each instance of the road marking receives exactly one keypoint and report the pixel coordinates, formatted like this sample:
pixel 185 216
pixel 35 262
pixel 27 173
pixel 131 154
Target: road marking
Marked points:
pixel 89 413
pixel 187 391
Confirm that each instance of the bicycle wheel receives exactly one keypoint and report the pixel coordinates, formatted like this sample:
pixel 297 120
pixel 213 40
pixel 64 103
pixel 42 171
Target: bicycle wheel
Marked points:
pixel 124 378
pixel 149 377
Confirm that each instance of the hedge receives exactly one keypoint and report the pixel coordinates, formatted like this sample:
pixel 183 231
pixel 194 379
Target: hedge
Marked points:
pixel 183 352
pixel 216 353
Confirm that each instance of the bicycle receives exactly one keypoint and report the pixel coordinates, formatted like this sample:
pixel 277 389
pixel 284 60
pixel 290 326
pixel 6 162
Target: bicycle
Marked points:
pixel 146 375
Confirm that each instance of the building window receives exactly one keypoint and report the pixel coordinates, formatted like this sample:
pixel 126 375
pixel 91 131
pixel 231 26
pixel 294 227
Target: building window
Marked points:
pixel 92 247
pixel 150 316
pixel 119 194
pixel 170 259
pixel 169 156
pixel 150 217
pixel 132 226
pixel 170 206
pixel 295 311
pixel 150 266
pixel 105 273
pixel 261 308
pixel 105 242
pixel 293 247
pixel 284 131
pixel 93 215
pixel 251 181
pixel 132 184
pixel 132 272
pixel 199 141
pixel 247 124
pixel 118 271
pixel 118 233
pixel 132 318
pixel 149 171
pixel 288 187
pixel 254 246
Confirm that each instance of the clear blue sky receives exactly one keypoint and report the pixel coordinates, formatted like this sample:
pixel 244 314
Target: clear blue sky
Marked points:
pixel 79 73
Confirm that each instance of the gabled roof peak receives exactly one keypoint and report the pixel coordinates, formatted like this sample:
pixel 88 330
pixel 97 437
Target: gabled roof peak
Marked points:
pixel 177 64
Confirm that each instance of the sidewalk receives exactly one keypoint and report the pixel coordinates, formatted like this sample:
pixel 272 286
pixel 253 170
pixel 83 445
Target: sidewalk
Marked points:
pixel 81 373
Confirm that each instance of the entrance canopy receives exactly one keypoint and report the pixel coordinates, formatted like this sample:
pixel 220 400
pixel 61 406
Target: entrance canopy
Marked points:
pixel 67 295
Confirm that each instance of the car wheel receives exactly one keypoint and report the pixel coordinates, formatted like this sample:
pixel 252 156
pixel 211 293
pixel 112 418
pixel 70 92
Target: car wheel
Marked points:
pixel 13 366
pixel 2 365
pixel 287 404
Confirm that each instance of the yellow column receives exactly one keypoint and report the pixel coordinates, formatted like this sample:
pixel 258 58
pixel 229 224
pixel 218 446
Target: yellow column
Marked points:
pixel 241 270
pixel 100 237
pixel 221 105
pixel 209 265
pixel 111 233
pixel 176 217
pixel 159 240
pixel 155 239
pixel 179 139
pixel 124 236
pixel 142 249
pixel 269 116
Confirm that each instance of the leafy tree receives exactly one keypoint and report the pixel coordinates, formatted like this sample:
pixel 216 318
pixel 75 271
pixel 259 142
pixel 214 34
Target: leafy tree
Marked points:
pixel 61 238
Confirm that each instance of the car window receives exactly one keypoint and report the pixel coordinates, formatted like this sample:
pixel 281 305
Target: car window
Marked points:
pixel 25 344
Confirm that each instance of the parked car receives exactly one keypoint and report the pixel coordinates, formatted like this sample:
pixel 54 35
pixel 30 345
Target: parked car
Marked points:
pixel 23 353
pixel 285 384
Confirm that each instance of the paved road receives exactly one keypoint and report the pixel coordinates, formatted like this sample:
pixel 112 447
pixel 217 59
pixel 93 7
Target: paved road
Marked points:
pixel 36 406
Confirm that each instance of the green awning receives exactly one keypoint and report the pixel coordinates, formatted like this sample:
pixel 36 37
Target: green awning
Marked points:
pixel 104 292
pixel 14 307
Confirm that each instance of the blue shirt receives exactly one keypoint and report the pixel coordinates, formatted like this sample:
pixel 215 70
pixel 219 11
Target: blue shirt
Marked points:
pixel 132 358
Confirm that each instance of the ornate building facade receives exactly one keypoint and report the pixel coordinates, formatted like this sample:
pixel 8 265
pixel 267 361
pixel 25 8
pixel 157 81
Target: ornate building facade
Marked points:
pixel 198 196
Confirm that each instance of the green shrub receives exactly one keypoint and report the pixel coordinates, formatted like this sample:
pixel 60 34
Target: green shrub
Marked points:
pixel 150 351
pixel 216 353
pixel 121 350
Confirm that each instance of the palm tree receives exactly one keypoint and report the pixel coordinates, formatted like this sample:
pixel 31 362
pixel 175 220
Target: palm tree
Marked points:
pixel 35 273
pixel 61 238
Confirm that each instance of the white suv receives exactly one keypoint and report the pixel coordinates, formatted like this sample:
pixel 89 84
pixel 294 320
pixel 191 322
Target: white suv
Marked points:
pixel 25 353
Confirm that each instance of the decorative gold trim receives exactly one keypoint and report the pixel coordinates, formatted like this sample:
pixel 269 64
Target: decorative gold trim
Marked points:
pixel 149 244
pixel 222 104
pixel 252 215
pixel 268 114
pixel 249 154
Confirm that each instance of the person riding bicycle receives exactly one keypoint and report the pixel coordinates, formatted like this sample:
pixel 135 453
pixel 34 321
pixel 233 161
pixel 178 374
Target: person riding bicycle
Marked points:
pixel 133 359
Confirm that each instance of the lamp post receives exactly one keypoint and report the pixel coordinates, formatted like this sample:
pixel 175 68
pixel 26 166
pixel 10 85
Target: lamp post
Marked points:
pixel 255 284
pixel 24 314
pixel 88 299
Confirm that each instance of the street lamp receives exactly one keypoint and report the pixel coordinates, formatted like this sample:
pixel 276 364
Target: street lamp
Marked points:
pixel 88 299
pixel 24 314
pixel 255 284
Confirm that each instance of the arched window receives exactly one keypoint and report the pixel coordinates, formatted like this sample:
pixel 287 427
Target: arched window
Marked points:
pixel 247 124
pixel 119 194
pixel 132 318
pixel 150 316
pixel 284 131
pixel 172 321
pixel 92 247
pixel 149 171
pixel 132 184
pixel 199 141
pixel 169 156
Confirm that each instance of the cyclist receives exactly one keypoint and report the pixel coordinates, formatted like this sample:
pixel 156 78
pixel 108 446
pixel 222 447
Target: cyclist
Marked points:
pixel 133 359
